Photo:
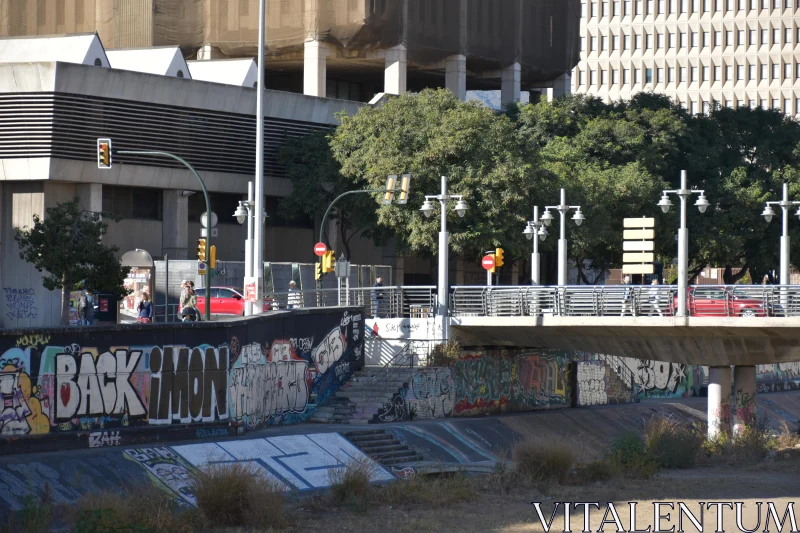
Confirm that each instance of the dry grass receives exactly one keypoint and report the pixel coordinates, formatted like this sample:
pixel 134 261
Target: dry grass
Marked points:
pixel 750 445
pixel 238 495
pixel 672 444
pixel 36 515
pixel 350 485
pixel 433 491
pixel 787 438
pixel 549 460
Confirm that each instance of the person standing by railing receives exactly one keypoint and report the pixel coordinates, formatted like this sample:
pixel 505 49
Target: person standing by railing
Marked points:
pixel 627 297
pixel 655 297
pixel 376 296
pixel 294 299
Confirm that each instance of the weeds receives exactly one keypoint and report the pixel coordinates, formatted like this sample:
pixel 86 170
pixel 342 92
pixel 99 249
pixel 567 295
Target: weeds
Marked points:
pixel 630 458
pixel 544 461
pixel 787 438
pixel 35 516
pixel 671 444
pixel 435 491
pixel 445 354
pixel 750 444
pixel 350 485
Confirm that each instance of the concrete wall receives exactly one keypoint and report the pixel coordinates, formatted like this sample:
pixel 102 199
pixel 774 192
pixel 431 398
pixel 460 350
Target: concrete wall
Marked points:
pixel 127 379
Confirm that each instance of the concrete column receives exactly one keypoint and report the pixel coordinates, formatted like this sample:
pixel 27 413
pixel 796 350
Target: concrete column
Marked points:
pixel 315 68
pixel 455 78
pixel 511 84
pixel 719 401
pixel 175 226
pixel 744 405
pixel 91 195
pixel 396 70
pixel 562 86
pixel 207 51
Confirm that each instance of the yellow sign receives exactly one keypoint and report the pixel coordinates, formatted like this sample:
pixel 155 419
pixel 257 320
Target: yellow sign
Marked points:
pixel 639 257
pixel 639 223
pixel 638 246
pixel 638 269
pixel 638 234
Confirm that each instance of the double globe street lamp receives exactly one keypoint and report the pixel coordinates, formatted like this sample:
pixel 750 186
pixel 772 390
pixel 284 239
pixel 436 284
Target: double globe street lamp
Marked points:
pixel 535 228
pixel 242 214
pixel 444 244
pixel 684 193
pixel 768 213
pixel 578 218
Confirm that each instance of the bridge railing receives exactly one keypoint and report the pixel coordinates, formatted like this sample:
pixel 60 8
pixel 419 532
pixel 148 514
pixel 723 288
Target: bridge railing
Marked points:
pixel 626 300
pixel 384 302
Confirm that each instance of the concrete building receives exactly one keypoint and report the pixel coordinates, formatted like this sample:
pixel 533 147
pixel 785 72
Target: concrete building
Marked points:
pixel 699 52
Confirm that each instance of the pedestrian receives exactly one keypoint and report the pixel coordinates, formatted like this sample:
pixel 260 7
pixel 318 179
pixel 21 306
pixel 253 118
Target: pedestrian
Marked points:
pixel 189 302
pixel 86 308
pixel 146 310
pixel 376 296
pixel 655 297
pixel 294 300
pixel 765 281
pixel 627 297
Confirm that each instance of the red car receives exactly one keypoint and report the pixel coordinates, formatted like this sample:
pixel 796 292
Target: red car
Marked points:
pixel 723 301
pixel 225 301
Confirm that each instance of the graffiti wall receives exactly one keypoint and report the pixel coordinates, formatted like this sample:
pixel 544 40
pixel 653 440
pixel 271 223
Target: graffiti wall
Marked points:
pixel 778 377
pixel 247 374
pixel 485 381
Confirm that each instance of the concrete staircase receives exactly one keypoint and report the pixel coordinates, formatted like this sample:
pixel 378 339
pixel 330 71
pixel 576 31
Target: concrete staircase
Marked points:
pixel 383 447
pixel 360 399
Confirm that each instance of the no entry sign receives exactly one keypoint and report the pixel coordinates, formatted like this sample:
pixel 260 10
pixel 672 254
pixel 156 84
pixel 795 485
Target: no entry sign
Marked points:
pixel 488 262
pixel 320 249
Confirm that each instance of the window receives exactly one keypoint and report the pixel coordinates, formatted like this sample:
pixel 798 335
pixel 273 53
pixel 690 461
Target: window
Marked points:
pixel 626 42
pixel 603 9
pixel 626 8
pixel 648 75
pixel 693 108
pixel 728 73
pixel 583 10
pixel 740 73
pixel 752 73
pixel 706 73
pixel 673 6
pixel 717 73
pixel 615 42
pixel 659 41
pixel 615 9
pixel 729 38
pixel 659 75
pixel 684 6
pixel 706 6
pixel 718 6
pixel 753 37
pixel 581 77
pixel 136 202
pixel 694 75
pixel 764 37
pixel 787 36
pixel 797 106
pixel 787 106
pixel 637 42
pixel 583 44
pixel 614 76
pixel 683 40
pixel 604 43
pixel 740 38
pixel 797 70
pixel 603 77
pixel 648 41
pixel 593 43
pixel 98 62
pixel 776 71
pixel 739 103
pixel 706 39
pixel 764 71
pixel 776 103
pixel 694 39
pixel 591 9
pixel 625 76
pixel 682 73
pixel 637 76
pixel 671 40
pixel 706 109
pixel 787 71
pixel 591 77
pixel 180 73
pixel 717 38
pixel 670 74
pixel 776 36
pixel 662 7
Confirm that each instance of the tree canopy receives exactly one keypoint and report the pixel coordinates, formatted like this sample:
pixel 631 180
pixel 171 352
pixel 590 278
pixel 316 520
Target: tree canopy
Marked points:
pixel 66 245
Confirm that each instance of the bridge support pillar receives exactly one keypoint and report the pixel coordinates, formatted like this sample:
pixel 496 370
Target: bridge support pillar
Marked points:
pixel 744 405
pixel 719 401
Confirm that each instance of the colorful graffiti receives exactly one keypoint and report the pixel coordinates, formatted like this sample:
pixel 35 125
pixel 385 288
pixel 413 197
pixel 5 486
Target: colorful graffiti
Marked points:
pixel 778 377
pixel 656 379
pixel 53 383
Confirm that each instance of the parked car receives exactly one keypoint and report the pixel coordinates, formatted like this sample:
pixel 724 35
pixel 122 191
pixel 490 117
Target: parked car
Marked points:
pixel 225 301
pixel 718 301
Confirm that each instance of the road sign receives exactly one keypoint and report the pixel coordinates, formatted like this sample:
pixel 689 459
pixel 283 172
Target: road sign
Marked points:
pixel 320 249
pixel 639 223
pixel 488 262
pixel 250 289
pixel 638 246
pixel 342 269
pixel 638 234
pixel 638 269
pixel 201 268
pixel 638 257
pixel 204 219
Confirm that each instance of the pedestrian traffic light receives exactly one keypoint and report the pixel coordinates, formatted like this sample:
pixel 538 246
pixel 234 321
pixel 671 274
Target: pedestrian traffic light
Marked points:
pixel 318 271
pixel 103 153
pixel 328 261
pixel 201 250
pixel 498 257
pixel 212 257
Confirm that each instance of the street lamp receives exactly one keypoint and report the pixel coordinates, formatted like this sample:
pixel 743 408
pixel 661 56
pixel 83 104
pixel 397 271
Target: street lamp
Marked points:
pixel 444 246
pixel 242 213
pixel 536 228
pixel 578 218
pixel 768 213
pixel 683 235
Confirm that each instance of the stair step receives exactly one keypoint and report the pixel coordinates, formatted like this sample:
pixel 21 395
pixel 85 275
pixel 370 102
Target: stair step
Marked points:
pixel 393 454
pixel 369 439
pixel 365 433
pixel 401 460
pixel 395 447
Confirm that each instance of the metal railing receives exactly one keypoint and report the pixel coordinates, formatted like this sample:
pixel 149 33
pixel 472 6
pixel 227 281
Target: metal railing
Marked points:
pixel 626 300
pixel 381 302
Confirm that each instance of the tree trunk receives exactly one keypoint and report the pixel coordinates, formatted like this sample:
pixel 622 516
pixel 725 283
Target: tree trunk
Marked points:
pixel 729 278
pixel 64 301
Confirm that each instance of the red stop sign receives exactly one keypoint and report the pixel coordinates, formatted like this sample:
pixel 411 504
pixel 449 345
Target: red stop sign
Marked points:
pixel 488 262
pixel 320 249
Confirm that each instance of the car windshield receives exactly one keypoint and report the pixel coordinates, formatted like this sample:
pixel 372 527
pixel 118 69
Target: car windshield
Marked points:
pixel 740 293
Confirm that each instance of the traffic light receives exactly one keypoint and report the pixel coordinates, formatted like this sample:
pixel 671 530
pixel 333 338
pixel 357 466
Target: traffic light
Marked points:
pixel 201 250
pixel 328 261
pixel 212 259
pixel 317 271
pixel 388 195
pixel 498 257
pixel 103 153
pixel 405 189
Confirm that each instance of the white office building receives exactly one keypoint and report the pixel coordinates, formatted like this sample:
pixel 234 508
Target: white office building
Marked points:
pixel 698 52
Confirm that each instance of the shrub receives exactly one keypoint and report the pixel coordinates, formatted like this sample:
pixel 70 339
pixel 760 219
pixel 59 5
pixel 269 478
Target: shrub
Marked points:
pixel 628 457
pixel 431 490
pixel 595 471
pixel 671 444
pixel 350 485
pixel 544 461
pixel 787 438
pixel 238 495
pixel 750 444
pixel 35 516
pixel 445 354
pixel 143 508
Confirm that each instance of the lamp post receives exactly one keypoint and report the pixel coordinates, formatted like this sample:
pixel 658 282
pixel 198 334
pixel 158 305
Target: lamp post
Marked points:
pixel 444 245
pixel 535 228
pixel 768 214
pixel 257 269
pixel 245 212
pixel 547 218
pixel 683 235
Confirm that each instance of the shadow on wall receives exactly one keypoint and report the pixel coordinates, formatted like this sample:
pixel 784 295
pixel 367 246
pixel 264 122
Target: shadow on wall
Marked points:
pixel 246 374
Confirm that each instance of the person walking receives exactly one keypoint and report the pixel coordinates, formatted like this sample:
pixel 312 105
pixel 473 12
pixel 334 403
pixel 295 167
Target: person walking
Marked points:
pixel 146 310
pixel 294 300
pixel 655 298
pixel 86 308
pixel 376 296
pixel 627 297
pixel 189 302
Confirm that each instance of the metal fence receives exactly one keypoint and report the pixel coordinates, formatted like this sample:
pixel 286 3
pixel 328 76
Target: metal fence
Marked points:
pixel 381 302
pixel 626 300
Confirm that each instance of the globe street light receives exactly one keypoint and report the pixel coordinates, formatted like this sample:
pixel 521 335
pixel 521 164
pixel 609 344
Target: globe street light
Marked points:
pixel 535 228
pixel 578 218
pixel 683 235
pixel 768 213
pixel 444 244
pixel 242 213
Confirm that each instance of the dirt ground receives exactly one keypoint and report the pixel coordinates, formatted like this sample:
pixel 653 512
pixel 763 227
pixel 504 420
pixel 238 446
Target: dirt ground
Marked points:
pixel 771 481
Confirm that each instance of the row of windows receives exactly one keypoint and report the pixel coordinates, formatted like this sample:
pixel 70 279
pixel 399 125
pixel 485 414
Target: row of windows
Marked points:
pixel 785 106
pixel 694 74
pixel 624 8
pixel 706 39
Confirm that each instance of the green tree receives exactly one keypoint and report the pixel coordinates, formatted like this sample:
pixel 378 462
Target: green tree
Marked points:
pixel 433 134
pixel 67 246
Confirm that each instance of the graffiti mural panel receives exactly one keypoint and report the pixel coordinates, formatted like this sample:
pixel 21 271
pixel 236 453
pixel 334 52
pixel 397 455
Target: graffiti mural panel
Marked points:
pixel 270 370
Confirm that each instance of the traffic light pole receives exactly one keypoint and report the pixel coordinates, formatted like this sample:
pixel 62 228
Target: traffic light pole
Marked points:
pixel 208 214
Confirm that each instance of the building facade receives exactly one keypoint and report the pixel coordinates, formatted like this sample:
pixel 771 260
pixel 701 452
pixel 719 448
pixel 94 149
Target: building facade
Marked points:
pixel 734 53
